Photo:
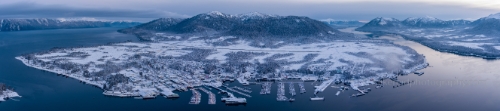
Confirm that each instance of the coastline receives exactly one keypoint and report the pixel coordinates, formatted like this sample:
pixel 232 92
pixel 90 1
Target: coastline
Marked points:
pixel 440 49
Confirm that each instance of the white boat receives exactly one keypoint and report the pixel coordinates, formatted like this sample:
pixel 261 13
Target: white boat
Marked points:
pixel 172 96
pixel 235 100
pixel 317 98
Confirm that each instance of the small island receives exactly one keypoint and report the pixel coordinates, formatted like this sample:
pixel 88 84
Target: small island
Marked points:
pixel 6 92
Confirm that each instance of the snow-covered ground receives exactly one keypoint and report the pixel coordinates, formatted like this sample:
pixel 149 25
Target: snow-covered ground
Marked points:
pixel 148 69
pixel 454 40
pixel 8 94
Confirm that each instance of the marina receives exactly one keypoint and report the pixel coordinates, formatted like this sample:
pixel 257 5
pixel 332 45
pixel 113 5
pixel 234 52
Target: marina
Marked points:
pixel 236 91
pixel 233 100
pixel 292 89
pixel 243 89
pixel 196 98
pixel 281 92
pixel 266 88
pixel 302 88
pixel 211 96
pixel 323 86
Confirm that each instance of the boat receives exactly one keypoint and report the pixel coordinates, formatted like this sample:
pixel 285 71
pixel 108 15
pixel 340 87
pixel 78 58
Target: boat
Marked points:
pixel 235 100
pixel 291 99
pixel 357 95
pixel 418 73
pixel 317 98
pixel 172 96
pixel 149 97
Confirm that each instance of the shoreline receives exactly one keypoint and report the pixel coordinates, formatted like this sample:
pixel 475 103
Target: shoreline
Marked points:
pixel 8 94
pixel 461 53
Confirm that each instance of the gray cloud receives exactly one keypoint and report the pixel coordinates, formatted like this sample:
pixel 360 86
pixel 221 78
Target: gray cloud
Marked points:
pixel 151 9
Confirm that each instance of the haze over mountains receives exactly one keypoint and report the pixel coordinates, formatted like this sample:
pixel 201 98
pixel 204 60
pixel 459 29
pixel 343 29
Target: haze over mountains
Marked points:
pixel 489 25
pixel 44 23
pixel 338 24
pixel 471 38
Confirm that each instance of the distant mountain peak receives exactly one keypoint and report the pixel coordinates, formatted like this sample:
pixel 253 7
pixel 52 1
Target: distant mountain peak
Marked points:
pixel 384 20
pixel 255 15
pixel 494 16
pixel 217 14
pixel 79 19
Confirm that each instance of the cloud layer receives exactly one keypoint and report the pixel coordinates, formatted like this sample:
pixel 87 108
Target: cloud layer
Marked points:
pixel 318 9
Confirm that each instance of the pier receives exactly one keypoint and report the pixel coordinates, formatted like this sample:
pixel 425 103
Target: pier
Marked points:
pixel 323 85
pixel 281 92
pixel 292 89
pixel 236 91
pixel 243 81
pixel 266 88
pixel 302 88
pixel 211 96
pixel 221 90
pixel 195 99
pixel 242 89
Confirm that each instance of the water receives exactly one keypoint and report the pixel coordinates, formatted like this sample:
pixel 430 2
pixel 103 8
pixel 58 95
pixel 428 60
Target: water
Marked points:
pixel 451 83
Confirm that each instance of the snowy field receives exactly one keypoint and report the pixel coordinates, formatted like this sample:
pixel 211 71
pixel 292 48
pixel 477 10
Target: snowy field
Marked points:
pixel 454 40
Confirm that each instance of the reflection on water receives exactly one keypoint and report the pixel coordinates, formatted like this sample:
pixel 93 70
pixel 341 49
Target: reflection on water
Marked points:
pixel 452 81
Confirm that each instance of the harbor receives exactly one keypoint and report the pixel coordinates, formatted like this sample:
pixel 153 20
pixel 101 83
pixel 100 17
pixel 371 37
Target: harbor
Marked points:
pixel 292 89
pixel 211 96
pixel 236 91
pixel 302 88
pixel 281 92
pixel 266 88
pixel 243 89
pixel 196 98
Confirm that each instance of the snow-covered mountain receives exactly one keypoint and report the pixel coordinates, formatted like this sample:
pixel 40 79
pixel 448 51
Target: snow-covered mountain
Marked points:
pixel 425 22
pixel 161 24
pixel 381 23
pixel 342 23
pixel 250 24
pixel 489 25
pixel 494 16
pixel 254 15
pixel 44 23
pixel 420 22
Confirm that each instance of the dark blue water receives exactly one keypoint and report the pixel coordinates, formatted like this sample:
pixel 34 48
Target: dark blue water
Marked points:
pixel 45 91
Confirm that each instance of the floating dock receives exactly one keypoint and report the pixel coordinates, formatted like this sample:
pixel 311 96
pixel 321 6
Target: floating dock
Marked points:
pixel 211 96
pixel 242 89
pixel 266 88
pixel 292 89
pixel 196 98
pixel 302 88
pixel 236 91
pixel 281 92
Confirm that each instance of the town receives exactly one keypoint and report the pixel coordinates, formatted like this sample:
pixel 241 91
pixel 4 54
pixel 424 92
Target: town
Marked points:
pixel 150 69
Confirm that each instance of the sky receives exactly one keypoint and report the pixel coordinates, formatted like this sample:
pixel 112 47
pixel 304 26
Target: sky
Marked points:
pixel 146 10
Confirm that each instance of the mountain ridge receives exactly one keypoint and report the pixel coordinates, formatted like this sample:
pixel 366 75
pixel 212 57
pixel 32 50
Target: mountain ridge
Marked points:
pixel 46 23
pixel 251 24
